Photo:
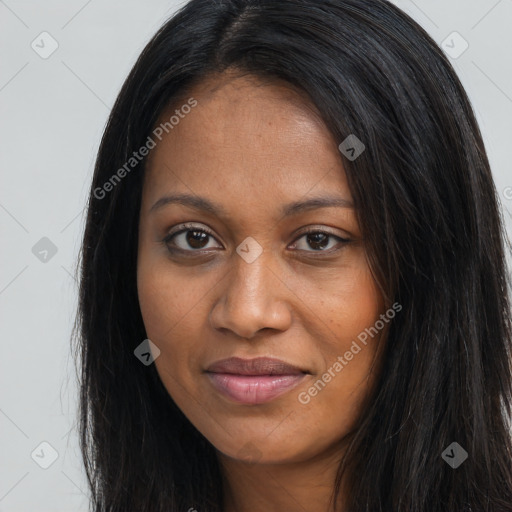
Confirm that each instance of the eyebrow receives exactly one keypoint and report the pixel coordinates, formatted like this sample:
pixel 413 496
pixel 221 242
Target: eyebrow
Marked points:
pixel 200 203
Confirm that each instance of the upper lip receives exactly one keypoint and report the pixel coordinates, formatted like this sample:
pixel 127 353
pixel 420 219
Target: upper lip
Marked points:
pixel 256 366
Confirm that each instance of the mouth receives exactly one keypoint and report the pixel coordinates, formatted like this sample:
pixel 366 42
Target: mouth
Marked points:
pixel 254 381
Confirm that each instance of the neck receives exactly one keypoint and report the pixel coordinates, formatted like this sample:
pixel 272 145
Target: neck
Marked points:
pixel 307 485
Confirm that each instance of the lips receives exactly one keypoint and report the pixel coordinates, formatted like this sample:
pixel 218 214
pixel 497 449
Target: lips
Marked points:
pixel 254 381
pixel 257 366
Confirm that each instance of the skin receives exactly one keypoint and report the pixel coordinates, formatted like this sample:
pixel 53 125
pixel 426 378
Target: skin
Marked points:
pixel 252 148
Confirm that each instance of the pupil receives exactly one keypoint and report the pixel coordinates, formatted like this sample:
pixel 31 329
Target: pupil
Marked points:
pixel 318 240
pixel 196 238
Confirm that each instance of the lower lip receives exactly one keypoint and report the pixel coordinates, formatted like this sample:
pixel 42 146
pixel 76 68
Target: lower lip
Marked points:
pixel 254 389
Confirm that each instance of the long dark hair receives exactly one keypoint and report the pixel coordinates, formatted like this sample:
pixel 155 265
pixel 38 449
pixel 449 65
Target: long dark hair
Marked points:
pixel 429 211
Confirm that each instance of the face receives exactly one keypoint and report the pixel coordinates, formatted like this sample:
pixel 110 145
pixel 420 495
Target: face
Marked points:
pixel 245 265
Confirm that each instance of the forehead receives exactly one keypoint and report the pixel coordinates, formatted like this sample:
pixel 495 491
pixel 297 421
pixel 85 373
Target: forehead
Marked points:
pixel 249 140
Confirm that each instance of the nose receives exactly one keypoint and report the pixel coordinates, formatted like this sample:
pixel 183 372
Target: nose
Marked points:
pixel 254 297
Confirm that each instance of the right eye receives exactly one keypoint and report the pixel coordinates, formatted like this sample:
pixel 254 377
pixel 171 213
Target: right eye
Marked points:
pixel 189 238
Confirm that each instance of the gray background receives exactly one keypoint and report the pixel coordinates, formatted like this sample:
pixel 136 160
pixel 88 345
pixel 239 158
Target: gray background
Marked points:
pixel 52 113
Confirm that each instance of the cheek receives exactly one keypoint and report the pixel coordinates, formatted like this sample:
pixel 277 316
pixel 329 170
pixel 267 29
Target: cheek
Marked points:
pixel 158 304
pixel 351 308
pixel 347 303
pixel 165 299
pixel 167 308
pixel 173 310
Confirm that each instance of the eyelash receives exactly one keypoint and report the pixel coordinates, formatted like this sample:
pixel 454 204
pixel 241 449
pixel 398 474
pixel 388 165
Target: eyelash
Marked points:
pixel 190 227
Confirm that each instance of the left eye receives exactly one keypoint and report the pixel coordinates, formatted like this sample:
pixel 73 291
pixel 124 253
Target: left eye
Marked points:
pixel 320 241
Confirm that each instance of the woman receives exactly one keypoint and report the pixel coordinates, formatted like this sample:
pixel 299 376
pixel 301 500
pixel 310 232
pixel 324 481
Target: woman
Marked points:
pixel 293 288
